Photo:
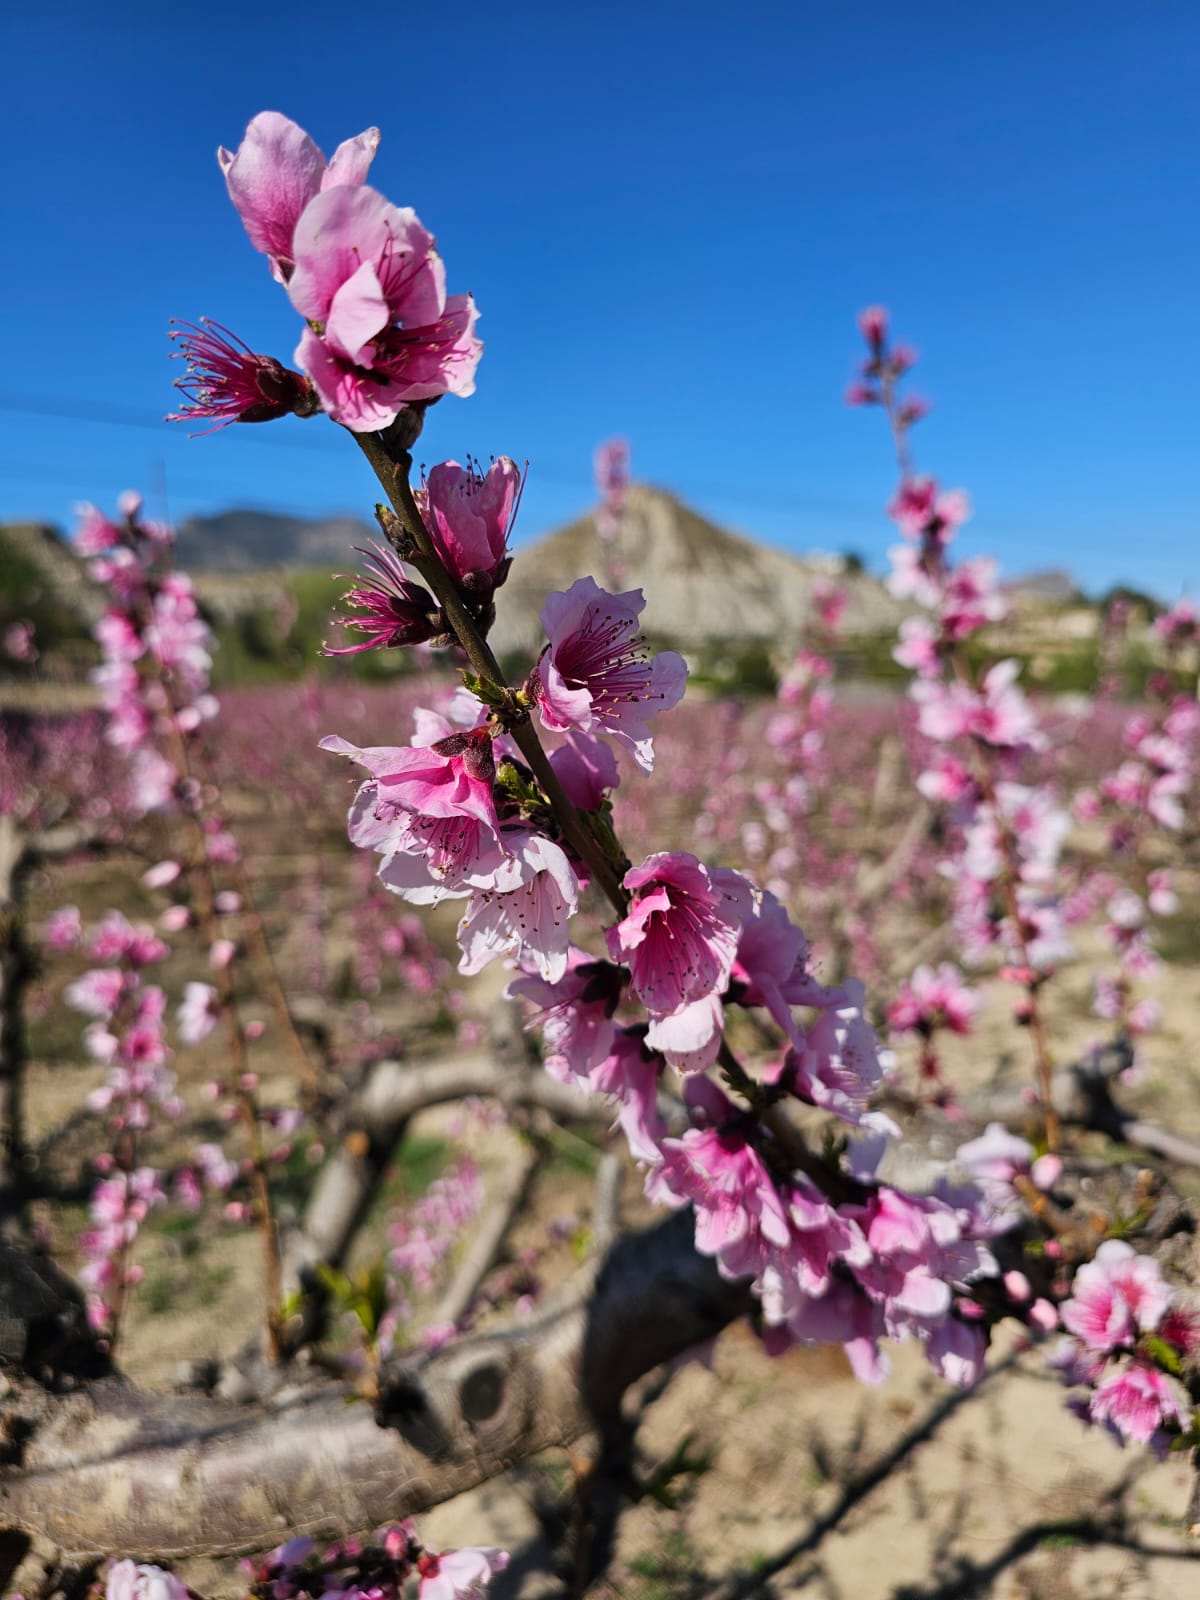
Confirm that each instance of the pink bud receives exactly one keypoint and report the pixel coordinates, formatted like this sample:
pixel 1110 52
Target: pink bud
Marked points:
pixel 1043 1315
pixel 158 876
pixel 1016 1286
pixel 872 323
pixel 222 952
pixel 860 394
pixel 255 1029
pixel 396 1540
pixel 1046 1171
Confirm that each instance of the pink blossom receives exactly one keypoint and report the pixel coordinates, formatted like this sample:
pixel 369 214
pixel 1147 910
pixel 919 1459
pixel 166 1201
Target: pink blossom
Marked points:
pixel 612 480
pixel 690 1037
pixel 970 599
pixel 224 380
pixel 198 1012
pixel 830 602
pixel 577 1013
pixel 947 780
pixel 1178 625
pixel 161 874
pixel 739 1211
pixel 1162 899
pixel 820 1238
pixel 1043 1315
pixel 429 811
pixel 97 993
pixel 20 641
pixel 913 576
pixel 459 1574
pixel 923 511
pixel 1114 1297
pixel 367 274
pixel 946 711
pixel 997 713
pixel 872 323
pixel 587 769
pixel 934 998
pixel 277 170
pixel 63 929
pixel 129 1580
pixel 468 515
pixel 1144 1016
pixel 630 1071
pixel 771 967
pixel 117 939
pixel 1004 716
pixel 846 1315
pixel 218 1170
pixel 95 533
pixel 993 1161
pixel 596 673
pixel 448 780
pixel 679 937
pixel 396 610
pixel 919 1252
pixel 527 912
pixel 1038 825
pixel 1137 1400
pixel 918 647
pixel 838 1064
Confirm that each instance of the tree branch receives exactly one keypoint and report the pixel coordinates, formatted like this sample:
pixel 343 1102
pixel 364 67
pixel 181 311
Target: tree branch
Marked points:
pixel 112 1469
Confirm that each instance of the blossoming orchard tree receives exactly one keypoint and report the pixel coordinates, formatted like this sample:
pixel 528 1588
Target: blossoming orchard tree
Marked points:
pixel 675 997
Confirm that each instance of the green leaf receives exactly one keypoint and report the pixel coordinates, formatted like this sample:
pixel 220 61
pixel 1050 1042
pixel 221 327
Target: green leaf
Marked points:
pixel 1163 1354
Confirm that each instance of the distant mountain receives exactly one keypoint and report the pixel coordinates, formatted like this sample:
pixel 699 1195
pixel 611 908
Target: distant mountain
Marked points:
pixel 701 581
pixel 247 541
pixel 1052 586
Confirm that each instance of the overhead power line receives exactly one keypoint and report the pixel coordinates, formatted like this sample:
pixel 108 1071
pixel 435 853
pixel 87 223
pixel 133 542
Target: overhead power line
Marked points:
pixel 554 474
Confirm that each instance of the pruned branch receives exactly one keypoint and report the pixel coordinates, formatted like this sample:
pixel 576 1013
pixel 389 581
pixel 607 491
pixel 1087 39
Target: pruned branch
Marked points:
pixel 112 1469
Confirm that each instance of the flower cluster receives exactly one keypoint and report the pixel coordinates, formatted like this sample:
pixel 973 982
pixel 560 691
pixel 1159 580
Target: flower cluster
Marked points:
pixel 468 515
pixel 127 1034
pixel 379 1568
pixel 425 1232
pixel 1006 837
pixel 1127 1344
pixel 381 332
pixel 1146 791
pixel 155 648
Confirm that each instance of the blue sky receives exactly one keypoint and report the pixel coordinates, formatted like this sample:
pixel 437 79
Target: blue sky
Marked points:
pixel 669 215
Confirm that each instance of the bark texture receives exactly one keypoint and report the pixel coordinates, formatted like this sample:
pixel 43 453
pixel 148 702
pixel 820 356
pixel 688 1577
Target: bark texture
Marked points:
pixel 109 1469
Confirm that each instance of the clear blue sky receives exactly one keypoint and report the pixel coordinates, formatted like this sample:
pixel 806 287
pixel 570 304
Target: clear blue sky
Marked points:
pixel 669 215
